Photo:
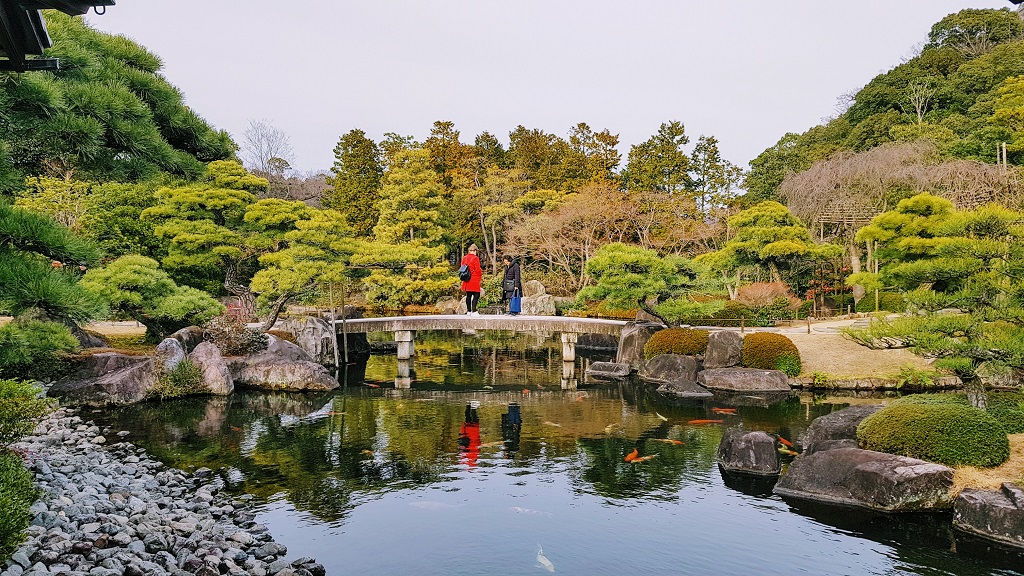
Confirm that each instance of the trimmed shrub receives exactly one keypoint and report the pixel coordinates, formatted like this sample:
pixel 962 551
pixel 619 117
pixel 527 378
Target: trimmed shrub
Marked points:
pixel 16 497
pixel 949 434
pixel 887 302
pixel 34 349
pixel 683 341
pixel 233 338
pixel 768 351
pixel 20 404
pixel 185 379
pixel 1006 407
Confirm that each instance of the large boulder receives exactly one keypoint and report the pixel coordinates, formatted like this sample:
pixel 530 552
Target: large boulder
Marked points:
pixel 874 480
pixel 744 380
pixel 169 353
pixel 189 337
pixel 608 371
pixel 669 368
pixel 282 366
pixel 724 348
pixel 994 514
pixel 742 452
pixel 632 340
pixel 107 378
pixel 216 374
pixel 836 430
pixel 313 335
pixel 536 301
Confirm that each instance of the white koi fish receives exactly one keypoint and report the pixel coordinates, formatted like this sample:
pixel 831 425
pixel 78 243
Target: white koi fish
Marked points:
pixel 543 560
pixel 521 510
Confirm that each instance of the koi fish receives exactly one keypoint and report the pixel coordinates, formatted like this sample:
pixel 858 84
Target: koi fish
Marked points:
pixel 367 452
pixel 668 441
pixel 335 413
pixel 492 444
pixel 543 560
pixel 373 385
pixel 632 455
pixel 705 421
pixel 785 442
pixel 549 423
pixel 236 428
pixel 787 452
pixel 724 410
pixel 610 428
pixel 644 458
pixel 660 417
pixel 526 390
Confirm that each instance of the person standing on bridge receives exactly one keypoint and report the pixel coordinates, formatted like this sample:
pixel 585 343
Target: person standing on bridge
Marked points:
pixel 472 286
pixel 511 282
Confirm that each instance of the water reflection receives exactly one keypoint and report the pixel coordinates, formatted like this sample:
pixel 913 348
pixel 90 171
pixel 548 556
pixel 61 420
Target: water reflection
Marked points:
pixel 486 436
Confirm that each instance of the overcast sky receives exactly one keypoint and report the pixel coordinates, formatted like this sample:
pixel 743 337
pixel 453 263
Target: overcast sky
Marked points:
pixel 744 71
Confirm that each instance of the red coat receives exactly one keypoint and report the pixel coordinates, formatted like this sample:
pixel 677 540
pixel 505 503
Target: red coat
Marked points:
pixel 476 273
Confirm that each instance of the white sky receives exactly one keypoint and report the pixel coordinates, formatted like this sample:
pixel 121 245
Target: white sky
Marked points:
pixel 744 71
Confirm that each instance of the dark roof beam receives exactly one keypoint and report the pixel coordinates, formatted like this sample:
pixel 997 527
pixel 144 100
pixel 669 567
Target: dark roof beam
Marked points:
pixel 71 7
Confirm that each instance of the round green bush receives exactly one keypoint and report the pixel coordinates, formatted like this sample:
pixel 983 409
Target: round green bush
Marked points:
pixel 683 341
pixel 1006 407
pixel 887 302
pixel 950 434
pixel 769 351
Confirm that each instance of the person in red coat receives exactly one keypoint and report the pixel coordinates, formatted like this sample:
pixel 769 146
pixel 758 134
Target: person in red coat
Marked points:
pixel 472 286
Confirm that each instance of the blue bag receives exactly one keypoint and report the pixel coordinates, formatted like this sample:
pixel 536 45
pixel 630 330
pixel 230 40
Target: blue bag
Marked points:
pixel 515 304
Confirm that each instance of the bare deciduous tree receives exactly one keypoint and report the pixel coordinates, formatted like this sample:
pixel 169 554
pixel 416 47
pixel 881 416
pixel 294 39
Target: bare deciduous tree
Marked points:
pixel 266 149
pixel 919 94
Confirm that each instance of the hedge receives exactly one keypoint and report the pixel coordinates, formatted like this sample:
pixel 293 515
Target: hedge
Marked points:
pixel 1006 407
pixel 683 341
pixel 950 434
pixel 769 351
pixel 887 302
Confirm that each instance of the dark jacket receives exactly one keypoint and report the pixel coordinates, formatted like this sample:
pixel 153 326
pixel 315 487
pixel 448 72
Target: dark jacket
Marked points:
pixel 512 273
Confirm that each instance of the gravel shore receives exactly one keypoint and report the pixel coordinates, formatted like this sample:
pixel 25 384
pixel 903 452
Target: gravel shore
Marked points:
pixel 110 510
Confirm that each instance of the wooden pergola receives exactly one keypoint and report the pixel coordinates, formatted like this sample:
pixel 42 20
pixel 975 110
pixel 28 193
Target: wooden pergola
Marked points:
pixel 23 31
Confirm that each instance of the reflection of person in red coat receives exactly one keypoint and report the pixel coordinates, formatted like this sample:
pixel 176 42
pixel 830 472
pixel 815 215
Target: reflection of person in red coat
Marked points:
pixel 472 286
pixel 469 436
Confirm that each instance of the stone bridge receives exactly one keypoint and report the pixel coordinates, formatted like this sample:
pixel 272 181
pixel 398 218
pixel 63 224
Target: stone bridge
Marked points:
pixel 405 327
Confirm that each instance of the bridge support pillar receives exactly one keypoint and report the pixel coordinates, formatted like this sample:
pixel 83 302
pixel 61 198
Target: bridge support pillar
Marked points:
pixel 568 379
pixel 404 341
pixel 404 379
pixel 569 346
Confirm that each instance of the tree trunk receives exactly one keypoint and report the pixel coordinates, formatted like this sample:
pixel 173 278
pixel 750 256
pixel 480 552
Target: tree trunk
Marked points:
pixel 275 310
pixel 858 290
pixel 246 299
pixel 647 308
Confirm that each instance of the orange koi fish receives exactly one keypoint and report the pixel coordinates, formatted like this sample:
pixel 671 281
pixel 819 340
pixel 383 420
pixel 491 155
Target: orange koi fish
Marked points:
pixel 785 442
pixel 668 441
pixel 367 452
pixel 373 385
pixel 787 452
pixel 236 428
pixel 526 390
pixel 632 455
pixel 705 421
pixel 644 458
pixel 724 410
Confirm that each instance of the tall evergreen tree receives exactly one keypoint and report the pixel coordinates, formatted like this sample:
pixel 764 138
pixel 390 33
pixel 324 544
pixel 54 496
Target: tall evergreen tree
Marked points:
pixel 659 163
pixel 356 181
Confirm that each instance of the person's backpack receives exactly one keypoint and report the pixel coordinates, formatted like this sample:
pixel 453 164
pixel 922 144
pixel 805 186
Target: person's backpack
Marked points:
pixel 464 273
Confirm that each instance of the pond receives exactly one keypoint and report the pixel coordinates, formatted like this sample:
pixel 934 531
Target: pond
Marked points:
pixel 376 478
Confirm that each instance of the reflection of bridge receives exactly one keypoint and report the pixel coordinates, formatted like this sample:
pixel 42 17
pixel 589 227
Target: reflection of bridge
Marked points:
pixel 405 327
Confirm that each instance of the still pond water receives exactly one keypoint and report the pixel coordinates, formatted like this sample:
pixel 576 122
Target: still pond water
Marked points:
pixel 379 479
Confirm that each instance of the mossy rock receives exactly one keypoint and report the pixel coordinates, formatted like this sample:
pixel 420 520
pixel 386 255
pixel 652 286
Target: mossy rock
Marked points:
pixel 950 434
pixel 769 351
pixel 682 341
pixel 1006 407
